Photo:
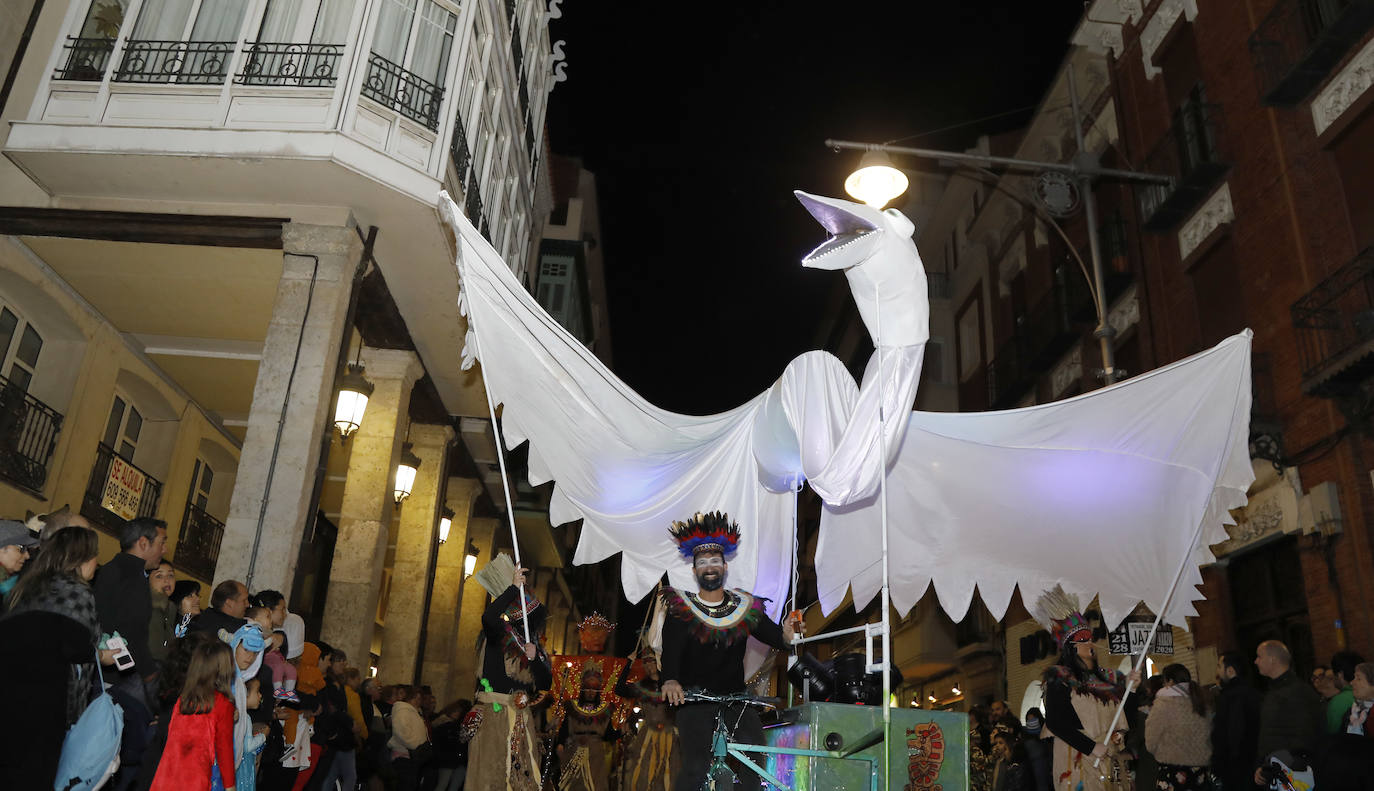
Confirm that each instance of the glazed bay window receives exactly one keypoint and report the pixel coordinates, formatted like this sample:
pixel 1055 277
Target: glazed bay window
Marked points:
pixel 410 52
pixel 183 41
pixel 88 52
pixel 28 427
pixel 300 43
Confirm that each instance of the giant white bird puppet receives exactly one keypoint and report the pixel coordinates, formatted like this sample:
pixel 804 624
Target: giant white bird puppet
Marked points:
pixel 1107 494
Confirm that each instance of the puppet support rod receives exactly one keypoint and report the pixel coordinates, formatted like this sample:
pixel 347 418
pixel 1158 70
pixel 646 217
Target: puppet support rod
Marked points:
pixel 500 453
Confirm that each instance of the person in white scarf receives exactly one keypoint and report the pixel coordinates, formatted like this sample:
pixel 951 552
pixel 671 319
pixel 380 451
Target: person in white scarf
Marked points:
pixel 1178 733
pixel 248 644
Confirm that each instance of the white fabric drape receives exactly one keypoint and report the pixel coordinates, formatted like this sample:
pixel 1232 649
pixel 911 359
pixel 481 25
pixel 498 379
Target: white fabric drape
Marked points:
pixel 1102 493
pixel 333 21
pixel 162 20
pixel 219 20
pixel 433 42
pixel 279 21
pixel 393 29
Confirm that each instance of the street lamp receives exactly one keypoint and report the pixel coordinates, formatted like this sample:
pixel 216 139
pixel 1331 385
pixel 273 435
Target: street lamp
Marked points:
pixel 405 473
pixel 354 390
pixel 1083 169
pixel 877 181
pixel 470 560
pixel 445 523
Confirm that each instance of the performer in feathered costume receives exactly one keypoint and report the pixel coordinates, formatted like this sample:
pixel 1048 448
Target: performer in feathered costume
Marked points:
pixel 586 707
pixel 503 754
pixel 1081 698
pixel 704 636
pixel 652 759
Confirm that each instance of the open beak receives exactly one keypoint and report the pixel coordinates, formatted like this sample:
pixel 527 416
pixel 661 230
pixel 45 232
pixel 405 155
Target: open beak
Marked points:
pixel 851 230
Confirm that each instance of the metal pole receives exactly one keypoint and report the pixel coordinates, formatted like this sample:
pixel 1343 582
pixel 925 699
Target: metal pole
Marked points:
pixel 1104 332
pixel 496 433
pixel 1011 162
pixel 882 499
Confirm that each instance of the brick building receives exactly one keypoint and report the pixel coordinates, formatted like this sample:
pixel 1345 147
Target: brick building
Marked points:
pixel 1260 113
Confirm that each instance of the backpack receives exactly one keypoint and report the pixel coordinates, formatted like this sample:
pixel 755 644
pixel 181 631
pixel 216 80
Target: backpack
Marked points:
pixel 90 752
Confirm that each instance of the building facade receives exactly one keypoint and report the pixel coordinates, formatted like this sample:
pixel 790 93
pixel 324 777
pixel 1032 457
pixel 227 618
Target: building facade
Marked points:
pixel 210 210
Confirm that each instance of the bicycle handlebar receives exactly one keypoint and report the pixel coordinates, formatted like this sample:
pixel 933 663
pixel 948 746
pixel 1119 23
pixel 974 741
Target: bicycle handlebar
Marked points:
pixel 701 696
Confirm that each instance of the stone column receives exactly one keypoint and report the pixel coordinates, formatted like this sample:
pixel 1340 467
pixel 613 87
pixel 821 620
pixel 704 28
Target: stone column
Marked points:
pixel 464 671
pixel 410 567
pixel 290 460
pixel 441 630
pixel 355 579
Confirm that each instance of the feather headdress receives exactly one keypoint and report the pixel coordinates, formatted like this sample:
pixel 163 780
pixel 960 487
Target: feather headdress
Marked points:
pixel 498 575
pixel 1060 613
pixel 709 532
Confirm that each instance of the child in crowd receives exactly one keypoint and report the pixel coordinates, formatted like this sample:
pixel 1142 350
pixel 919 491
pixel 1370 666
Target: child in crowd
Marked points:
pixel 200 737
pixel 248 645
pixel 283 672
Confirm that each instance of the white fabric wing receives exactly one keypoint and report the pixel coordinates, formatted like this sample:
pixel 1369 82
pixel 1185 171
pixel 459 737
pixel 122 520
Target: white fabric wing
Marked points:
pixel 1104 493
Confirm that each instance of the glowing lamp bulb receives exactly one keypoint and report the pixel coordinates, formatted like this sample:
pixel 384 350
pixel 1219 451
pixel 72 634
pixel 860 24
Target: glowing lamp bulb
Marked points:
pixel 354 390
pixel 470 561
pixel 876 182
pixel 405 473
pixel 445 524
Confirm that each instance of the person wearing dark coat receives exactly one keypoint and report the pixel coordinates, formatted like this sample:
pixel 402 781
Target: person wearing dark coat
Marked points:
pixel 123 601
pixel 1235 723
pixel 1291 715
pixel 228 603
pixel 47 658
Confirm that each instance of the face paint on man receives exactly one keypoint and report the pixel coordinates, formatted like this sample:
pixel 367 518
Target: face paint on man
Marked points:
pixel 709 569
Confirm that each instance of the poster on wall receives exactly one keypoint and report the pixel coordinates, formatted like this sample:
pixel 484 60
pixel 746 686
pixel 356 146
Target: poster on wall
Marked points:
pixel 123 489
pixel 1129 638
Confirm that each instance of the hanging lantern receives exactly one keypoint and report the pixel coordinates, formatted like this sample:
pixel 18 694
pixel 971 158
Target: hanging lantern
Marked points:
pixel 470 561
pixel 445 523
pixel 354 390
pixel 405 473
pixel 876 181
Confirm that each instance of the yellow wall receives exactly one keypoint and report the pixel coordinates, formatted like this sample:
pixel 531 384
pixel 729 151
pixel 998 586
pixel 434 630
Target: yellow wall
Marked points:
pixel 174 427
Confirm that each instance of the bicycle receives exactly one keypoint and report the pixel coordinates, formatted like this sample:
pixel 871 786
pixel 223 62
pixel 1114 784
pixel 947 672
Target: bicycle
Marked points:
pixel 719 775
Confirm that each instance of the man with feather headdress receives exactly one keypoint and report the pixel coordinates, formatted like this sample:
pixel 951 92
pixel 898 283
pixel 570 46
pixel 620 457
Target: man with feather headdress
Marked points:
pixel 704 637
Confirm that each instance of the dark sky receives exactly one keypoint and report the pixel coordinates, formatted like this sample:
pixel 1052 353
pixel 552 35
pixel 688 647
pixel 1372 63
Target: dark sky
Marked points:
pixel 699 119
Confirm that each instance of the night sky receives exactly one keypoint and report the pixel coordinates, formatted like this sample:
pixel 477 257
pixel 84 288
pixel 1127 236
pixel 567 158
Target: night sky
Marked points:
pixel 699 119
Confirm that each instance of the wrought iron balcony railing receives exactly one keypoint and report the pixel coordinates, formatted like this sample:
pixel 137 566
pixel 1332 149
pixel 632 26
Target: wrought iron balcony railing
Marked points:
pixel 1300 41
pixel 301 65
pixel 101 491
pixel 197 549
pixel 462 155
pixel 1335 329
pixel 1191 154
pixel 184 62
pixel 1042 336
pixel 408 94
pixel 472 207
pixel 87 59
pixel 28 435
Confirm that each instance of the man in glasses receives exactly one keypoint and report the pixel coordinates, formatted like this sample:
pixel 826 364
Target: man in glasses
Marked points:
pixel 704 637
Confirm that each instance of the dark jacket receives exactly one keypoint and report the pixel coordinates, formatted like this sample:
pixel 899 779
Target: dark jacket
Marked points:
pixel 1291 717
pixel 1235 730
pixel 211 621
pixel 124 603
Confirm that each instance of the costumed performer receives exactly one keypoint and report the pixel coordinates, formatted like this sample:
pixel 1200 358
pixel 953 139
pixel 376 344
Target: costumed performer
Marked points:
pixel 585 730
pixel 652 759
pixel 502 755
pixel 704 638
pixel 1081 699
pixel 586 709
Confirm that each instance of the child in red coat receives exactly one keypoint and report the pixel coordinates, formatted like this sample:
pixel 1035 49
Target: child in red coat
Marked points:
pixel 200 737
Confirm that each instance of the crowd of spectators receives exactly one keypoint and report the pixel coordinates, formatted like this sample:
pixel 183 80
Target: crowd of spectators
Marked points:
pixel 226 696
